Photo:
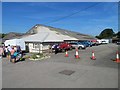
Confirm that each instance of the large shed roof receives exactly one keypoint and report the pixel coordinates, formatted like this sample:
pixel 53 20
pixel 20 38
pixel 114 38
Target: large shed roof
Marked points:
pixel 44 34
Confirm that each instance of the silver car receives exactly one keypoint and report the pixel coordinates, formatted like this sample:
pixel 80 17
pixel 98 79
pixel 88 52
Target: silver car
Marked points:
pixel 78 45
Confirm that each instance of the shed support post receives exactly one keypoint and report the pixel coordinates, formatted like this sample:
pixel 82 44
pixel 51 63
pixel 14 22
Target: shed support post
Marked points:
pixel 41 48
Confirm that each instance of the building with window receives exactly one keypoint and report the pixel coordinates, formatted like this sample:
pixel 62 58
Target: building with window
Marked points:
pixel 40 37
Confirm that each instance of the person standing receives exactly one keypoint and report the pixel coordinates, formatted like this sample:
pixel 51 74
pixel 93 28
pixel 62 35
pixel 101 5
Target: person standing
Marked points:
pixel 6 51
pixel 15 48
pixel 4 54
pixel 9 52
pixel 18 49
pixel 56 48
pixel 12 59
pixel 1 51
pixel 50 49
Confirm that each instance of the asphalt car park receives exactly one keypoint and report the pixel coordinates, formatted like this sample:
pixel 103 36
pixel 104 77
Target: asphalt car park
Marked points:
pixel 65 72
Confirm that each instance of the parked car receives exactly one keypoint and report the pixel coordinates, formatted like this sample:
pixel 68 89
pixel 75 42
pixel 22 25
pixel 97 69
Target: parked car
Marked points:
pixel 118 43
pixel 99 41
pixel 86 43
pixel 105 41
pixel 78 45
pixel 94 42
pixel 65 46
pixel 55 47
pixel 89 43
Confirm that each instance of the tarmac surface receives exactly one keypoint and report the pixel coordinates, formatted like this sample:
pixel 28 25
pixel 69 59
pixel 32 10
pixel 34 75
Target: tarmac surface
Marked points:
pixel 78 73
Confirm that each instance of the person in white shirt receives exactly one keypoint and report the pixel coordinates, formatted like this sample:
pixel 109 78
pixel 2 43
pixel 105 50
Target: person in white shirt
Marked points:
pixel 9 48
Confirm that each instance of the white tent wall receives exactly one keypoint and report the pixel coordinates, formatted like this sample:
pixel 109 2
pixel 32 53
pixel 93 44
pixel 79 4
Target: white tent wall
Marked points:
pixel 10 42
pixel 16 42
pixel 21 43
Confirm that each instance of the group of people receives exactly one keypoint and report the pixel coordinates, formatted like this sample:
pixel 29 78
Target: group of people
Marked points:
pixel 13 53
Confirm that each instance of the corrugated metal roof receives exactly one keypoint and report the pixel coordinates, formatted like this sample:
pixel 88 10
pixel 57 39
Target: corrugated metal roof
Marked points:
pixel 44 34
pixel 76 35
pixel 35 37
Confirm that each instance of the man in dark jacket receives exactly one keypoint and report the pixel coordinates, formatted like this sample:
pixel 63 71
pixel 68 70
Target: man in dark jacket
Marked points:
pixel 56 48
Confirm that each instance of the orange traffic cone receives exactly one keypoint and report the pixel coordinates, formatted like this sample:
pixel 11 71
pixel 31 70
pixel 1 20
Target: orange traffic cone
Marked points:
pixel 66 54
pixel 93 56
pixel 76 54
pixel 117 58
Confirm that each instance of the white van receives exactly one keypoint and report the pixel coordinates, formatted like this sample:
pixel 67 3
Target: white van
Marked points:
pixel 99 41
pixel 104 41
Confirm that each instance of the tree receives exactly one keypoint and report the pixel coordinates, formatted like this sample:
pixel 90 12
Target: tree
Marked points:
pixel 2 35
pixel 98 37
pixel 106 33
pixel 118 34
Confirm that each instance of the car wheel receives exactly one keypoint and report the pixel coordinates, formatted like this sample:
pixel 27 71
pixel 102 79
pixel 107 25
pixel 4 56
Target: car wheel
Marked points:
pixel 71 48
pixel 80 48
pixel 62 50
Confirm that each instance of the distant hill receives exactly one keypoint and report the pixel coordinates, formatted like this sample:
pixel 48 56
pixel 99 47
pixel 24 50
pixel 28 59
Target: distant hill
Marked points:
pixel 12 35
